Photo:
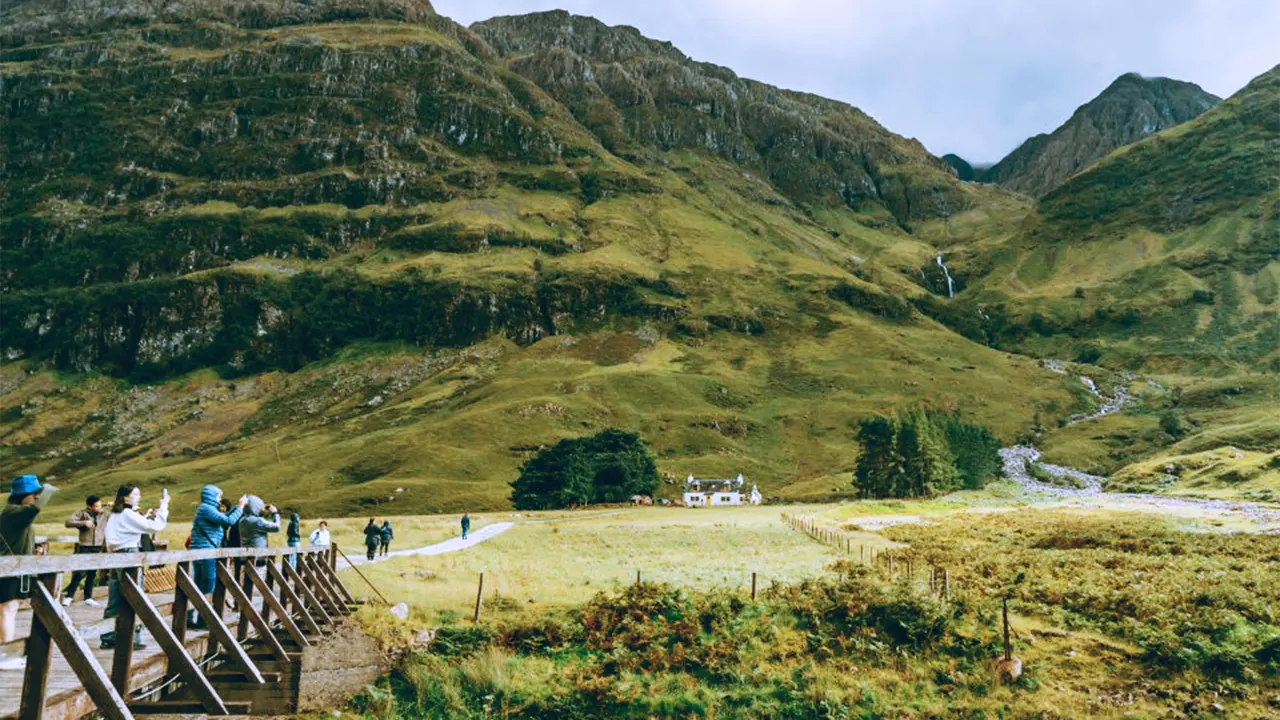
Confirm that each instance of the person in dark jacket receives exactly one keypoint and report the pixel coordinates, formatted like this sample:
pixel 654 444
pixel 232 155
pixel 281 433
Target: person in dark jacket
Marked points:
pixel 293 536
pixel 92 525
pixel 372 539
pixel 231 538
pixel 384 542
pixel 466 525
pixel 208 532
pixel 26 497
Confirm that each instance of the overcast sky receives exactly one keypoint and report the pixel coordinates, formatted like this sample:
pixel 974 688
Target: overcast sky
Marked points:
pixel 973 77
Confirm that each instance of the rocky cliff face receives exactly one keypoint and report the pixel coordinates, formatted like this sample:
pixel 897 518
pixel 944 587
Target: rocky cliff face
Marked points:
pixel 151 142
pixel 1130 109
pixel 637 95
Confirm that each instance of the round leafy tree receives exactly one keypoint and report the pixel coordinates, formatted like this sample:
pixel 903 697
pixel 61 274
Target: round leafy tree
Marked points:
pixel 607 467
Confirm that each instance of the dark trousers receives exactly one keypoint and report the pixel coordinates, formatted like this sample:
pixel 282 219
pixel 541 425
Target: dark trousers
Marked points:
pixel 90 577
pixel 113 605
pixel 372 551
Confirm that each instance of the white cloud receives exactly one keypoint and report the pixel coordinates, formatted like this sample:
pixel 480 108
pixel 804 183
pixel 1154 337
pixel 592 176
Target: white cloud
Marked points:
pixel 975 77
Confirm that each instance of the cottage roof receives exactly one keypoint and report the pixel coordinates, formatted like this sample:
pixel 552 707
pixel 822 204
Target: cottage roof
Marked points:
pixel 692 484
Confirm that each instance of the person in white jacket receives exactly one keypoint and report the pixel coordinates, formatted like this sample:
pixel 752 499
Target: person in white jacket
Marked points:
pixel 320 536
pixel 125 528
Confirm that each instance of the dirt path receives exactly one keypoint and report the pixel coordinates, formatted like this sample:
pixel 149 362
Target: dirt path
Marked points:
pixel 454 544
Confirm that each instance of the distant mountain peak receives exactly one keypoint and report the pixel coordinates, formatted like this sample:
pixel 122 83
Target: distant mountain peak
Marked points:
pixel 1129 109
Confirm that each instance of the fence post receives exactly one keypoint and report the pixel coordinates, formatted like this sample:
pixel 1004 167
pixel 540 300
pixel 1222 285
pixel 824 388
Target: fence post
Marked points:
pixel 753 586
pixel 479 597
pixel 946 576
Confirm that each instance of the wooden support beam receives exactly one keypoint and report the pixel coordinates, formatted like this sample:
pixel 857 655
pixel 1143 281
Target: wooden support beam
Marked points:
pixel 342 588
pixel 126 621
pixel 246 591
pixel 324 595
pixel 321 581
pixel 35 680
pixel 45 608
pixel 219 605
pixel 292 598
pixel 248 610
pixel 217 629
pixel 180 607
pixel 318 610
pixel 176 653
pixel 269 600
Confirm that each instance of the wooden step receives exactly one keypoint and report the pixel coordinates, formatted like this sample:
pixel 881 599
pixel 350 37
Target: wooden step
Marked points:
pixel 184 707
pixel 235 676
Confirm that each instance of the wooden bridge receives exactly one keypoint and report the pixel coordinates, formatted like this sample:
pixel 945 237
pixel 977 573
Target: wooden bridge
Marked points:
pixel 264 616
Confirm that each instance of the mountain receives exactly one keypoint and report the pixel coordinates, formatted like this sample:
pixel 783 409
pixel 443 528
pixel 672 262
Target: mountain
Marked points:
pixel 355 247
pixel 1130 109
pixel 352 254
pixel 1164 254
pixel 963 169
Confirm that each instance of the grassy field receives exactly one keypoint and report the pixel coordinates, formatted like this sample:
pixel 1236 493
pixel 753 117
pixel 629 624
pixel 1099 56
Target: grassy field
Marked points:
pixel 1114 615
pixel 564 560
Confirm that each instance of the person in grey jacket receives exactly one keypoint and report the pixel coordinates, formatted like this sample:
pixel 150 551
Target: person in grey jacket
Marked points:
pixel 259 521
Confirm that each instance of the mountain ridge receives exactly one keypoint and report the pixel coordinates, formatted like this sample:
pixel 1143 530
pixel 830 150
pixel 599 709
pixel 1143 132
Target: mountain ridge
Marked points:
pixel 1130 108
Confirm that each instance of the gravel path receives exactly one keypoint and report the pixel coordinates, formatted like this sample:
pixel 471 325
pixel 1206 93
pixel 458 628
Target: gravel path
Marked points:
pixel 1016 459
pixel 455 544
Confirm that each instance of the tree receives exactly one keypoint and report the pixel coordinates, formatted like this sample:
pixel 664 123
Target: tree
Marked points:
pixel 607 467
pixel 879 465
pixel 928 467
pixel 976 450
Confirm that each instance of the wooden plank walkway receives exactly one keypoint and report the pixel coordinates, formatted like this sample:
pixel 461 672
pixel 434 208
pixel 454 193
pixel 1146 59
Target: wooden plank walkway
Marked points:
pixel 148 666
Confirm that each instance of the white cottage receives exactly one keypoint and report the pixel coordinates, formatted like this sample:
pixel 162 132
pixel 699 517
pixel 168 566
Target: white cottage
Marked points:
pixel 712 492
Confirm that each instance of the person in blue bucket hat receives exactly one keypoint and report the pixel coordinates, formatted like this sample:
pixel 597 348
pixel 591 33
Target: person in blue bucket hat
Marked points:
pixel 26 497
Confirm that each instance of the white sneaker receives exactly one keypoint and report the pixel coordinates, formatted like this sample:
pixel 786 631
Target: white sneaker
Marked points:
pixel 15 663
pixel 66 602
pixel 92 602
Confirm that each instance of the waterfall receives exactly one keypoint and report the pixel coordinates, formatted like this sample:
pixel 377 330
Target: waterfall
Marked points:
pixel 951 292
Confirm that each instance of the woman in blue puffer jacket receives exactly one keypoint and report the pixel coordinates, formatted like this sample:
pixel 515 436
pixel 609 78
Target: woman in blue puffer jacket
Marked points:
pixel 207 532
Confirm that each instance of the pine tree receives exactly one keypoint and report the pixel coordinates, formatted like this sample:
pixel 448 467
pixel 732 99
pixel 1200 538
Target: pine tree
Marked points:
pixel 879 465
pixel 928 467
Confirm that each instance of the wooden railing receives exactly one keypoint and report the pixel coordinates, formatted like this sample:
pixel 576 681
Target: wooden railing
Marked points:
pixel 305 600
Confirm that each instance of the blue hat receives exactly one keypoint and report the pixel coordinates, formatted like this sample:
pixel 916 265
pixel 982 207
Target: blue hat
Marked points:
pixel 25 485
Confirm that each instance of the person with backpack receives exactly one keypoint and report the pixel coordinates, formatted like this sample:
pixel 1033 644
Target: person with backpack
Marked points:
pixel 125 529
pixel 17 537
pixel 372 539
pixel 293 537
pixel 208 532
pixel 91 523
pixel 384 542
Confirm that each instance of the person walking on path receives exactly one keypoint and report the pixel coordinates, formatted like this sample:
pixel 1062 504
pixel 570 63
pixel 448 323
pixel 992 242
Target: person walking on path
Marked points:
pixel 320 536
pixel 92 525
pixel 125 528
pixel 466 525
pixel 384 542
pixel 208 532
pixel 293 537
pixel 26 497
pixel 372 539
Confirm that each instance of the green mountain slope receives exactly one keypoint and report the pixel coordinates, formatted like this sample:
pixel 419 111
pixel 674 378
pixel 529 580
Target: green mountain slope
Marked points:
pixel 353 253
pixel 1128 110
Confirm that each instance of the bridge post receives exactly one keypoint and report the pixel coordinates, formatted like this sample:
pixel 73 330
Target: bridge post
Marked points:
pixel 126 621
pixel 35 680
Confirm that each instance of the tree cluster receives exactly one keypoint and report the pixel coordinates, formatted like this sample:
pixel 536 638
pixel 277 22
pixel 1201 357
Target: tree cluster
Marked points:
pixel 921 454
pixel 607 467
